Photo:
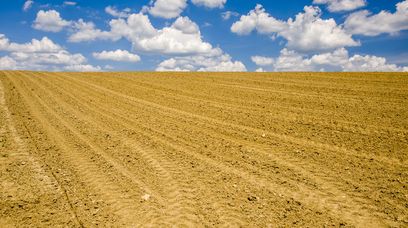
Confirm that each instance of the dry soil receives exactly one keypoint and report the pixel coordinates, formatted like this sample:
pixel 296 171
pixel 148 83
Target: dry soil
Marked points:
pixel 203 149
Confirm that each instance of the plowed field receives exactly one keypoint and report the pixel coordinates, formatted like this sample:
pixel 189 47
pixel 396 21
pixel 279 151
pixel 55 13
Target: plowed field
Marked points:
pixel 203 149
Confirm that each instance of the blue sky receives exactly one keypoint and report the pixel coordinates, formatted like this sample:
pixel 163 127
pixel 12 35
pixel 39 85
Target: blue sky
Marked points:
pixel 205 35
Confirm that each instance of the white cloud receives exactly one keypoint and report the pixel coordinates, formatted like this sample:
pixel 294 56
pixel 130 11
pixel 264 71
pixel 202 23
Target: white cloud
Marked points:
pixel 185 25
pixel 49 21
pixel 173 8
pixel 290 60
pixel 70 3
pixel 136 25
pixel 338 57
pixel 167 8
pixel 225 66
pixel 202 63
pixel 364 23
pixel 210 3
pixel 258 20
pixel 338 60
pixel 82 68
pixel 228 14
pixel 371 63
pixel 118 55
pixel 62 57
pixel 307 32
pixel 86 31
pixel 260 70
pixel 43 45
pixel 341 5
pixel 182 37
pixel 7 63
pixel 27 5
pixel 113 11
pixel 41 54
pixel 261 60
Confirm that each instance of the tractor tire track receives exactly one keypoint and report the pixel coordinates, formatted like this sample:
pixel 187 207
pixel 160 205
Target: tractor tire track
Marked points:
pixel 338 200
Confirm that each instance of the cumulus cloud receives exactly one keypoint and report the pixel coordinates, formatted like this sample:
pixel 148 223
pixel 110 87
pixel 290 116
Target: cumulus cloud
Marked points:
pixel 7 63
pixel 167 8
pixel 82 68
pixel 259 20
pixel 364 23
pixel 185 25
pixel 41 54
pixel 43 45
pixel 87 31
pixel 50 21
pixel 202 63
pixel 173 8
pixel 341 5
pixel 118 55
pixel 371 63
pixel 338 60
pixel 228 14
pixel 290 60
pixel 181 37
pixel 210 3
pixel 136 25
pixel 261 60
pixel 113 11
pixel 27 5
pixel 307 32
pixel 62 57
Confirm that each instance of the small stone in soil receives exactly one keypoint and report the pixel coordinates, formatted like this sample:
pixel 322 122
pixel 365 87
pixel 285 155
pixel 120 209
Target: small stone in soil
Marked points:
pixel 146 197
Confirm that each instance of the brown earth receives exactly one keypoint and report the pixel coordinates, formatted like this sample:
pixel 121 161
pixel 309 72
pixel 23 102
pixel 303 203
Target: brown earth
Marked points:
pixel 203 149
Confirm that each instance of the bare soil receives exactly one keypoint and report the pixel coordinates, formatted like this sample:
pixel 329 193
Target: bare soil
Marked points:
pixel 203 149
